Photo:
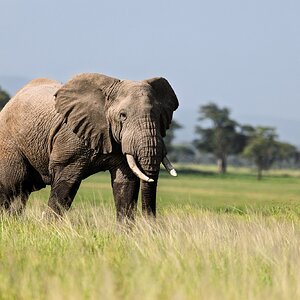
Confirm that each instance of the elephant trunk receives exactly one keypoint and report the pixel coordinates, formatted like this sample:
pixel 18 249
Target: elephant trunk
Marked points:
pixel 150 156
pixel 147 148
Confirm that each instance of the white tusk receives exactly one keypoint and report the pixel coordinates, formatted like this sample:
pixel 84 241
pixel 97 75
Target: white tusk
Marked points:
pixel 169 167
pixel 135 169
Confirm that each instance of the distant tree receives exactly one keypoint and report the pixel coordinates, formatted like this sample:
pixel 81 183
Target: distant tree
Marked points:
pixel 169 138
pixel 183 153
pixel 264 149
pixel 297 157
pixel 287 154
pixel 4 98
pixel 222 137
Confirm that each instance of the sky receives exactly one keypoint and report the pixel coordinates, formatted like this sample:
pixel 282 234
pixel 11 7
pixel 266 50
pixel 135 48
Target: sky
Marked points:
pixel 242 54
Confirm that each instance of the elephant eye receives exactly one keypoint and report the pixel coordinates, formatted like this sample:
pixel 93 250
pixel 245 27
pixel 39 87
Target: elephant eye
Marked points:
pixel 123 116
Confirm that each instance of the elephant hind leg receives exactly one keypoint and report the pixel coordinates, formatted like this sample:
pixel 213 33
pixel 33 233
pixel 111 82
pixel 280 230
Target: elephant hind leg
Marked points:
pixel 13 201
pixel 5 200
pixel 13 205
pixel 17 180
pixel 18 204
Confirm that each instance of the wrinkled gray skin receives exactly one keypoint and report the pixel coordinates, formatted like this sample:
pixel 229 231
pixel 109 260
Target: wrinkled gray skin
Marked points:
pixel 54 134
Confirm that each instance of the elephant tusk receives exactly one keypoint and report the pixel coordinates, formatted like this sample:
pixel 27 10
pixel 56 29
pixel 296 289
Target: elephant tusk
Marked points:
pixel 135 169
pixel 169 167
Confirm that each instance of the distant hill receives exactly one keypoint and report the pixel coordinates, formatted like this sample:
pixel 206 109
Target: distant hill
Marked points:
pixel 12 84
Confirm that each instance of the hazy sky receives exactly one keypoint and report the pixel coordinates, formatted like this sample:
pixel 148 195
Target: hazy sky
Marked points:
pixel 244 54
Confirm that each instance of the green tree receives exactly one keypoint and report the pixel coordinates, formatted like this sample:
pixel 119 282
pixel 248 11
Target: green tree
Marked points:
pixel 263 148
pixel 4 97
pixel 169 138
pixel 222 137
pixel 287 154
pixel 182 153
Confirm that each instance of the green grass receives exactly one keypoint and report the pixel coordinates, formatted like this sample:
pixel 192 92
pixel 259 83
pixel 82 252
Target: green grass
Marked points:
pixel 216 237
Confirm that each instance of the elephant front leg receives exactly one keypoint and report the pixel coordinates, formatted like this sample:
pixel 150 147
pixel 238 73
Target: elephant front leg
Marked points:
pixel 126 191
pixel 62 195
pixel 64 186
pixel 126 196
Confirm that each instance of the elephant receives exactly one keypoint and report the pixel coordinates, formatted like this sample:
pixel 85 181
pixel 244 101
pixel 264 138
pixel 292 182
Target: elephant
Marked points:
pixel 59 134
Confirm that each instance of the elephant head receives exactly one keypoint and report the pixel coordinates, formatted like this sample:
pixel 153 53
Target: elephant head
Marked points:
pixel 104 111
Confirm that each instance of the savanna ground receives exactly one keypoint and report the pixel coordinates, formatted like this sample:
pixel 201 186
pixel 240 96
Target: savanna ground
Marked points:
pixel 216 237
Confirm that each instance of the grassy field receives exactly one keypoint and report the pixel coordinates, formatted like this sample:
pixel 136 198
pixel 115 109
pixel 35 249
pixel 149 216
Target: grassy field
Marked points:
pixel 216 237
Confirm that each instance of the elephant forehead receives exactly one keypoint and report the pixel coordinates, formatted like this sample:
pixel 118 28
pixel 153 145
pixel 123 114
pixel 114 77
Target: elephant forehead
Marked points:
pixel 138 102
pixel 136 89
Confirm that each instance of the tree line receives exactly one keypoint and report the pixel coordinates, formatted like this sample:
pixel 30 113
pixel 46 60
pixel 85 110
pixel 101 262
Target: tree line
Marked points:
pixel 4 97
pixel 218 134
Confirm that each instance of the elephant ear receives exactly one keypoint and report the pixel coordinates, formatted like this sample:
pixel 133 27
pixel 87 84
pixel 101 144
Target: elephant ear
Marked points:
pixel 167 99
pixel 81 102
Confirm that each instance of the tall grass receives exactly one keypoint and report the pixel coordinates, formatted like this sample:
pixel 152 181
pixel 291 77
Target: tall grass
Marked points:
pixel 185 254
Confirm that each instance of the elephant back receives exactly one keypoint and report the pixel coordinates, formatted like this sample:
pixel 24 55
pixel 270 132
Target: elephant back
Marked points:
pixel 28 118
